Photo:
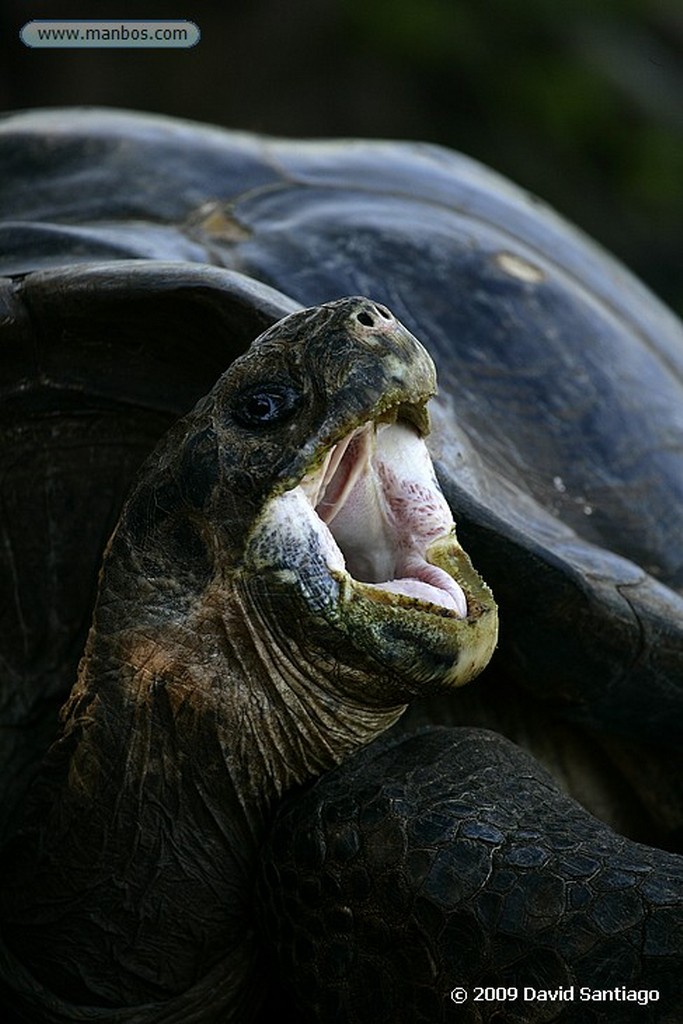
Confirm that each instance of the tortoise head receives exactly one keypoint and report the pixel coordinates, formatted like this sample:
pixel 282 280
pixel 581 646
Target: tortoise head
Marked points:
pixel 301 487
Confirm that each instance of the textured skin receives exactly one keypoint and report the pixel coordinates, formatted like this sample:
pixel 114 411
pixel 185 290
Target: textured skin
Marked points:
pixel 450 859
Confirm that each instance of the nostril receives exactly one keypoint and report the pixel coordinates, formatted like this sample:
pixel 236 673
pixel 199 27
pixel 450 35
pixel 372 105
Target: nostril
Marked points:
pixel 371 316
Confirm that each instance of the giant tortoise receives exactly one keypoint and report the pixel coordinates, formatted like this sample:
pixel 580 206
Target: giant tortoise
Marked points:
pixel 234 815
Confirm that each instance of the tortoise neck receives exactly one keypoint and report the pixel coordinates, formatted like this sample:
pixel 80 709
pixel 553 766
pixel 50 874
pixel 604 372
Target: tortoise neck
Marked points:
pixel 180 735
pixel 215 696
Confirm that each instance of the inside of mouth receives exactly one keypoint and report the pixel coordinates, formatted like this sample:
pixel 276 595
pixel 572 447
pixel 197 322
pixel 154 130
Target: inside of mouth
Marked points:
pixel 377 495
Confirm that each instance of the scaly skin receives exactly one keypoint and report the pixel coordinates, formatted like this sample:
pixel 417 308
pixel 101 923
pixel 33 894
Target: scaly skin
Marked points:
pixel 450 860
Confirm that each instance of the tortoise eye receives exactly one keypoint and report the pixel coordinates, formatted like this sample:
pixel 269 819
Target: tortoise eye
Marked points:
pixel 265 406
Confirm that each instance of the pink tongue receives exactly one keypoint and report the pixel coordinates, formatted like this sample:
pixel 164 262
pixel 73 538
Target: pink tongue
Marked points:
pixel 425 592
pixel 428 583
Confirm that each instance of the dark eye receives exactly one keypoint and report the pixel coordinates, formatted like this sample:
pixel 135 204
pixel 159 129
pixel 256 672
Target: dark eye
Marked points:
pixel 265 406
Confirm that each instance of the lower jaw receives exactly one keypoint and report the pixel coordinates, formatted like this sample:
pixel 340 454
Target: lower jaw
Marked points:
pixel 419 648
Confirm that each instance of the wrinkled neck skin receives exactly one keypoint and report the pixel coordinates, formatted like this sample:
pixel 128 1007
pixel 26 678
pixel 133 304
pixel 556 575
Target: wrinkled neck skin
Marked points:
pixel 187 724
pixel 222 671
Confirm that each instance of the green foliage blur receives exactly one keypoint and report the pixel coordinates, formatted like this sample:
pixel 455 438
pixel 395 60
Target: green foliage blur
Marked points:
pixel 581 102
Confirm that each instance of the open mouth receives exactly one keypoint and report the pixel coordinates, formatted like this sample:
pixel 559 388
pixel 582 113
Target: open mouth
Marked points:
pixel 380 508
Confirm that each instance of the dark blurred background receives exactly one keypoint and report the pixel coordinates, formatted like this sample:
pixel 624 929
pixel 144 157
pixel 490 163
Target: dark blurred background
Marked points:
pixel 579 101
